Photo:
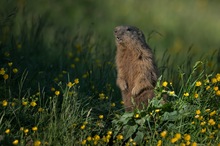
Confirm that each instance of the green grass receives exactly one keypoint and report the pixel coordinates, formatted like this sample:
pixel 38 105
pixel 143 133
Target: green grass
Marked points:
pixel 57 78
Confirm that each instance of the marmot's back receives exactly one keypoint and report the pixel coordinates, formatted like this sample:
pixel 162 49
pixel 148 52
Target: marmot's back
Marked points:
pixel 137 71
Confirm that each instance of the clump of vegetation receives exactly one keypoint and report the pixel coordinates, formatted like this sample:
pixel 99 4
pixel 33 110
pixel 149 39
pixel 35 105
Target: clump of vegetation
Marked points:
pixel 64 92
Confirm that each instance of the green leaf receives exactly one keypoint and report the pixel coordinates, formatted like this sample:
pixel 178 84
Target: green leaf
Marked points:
pixel 128 131
pixel 139 137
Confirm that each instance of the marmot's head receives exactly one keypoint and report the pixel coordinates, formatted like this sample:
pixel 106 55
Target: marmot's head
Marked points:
pixel 126 35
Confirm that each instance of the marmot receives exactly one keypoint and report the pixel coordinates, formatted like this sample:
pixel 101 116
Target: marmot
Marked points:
pixel 137 72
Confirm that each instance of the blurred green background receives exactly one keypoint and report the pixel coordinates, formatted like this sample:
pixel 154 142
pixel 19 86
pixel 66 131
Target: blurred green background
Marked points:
pixel 178 31
pixel 179 24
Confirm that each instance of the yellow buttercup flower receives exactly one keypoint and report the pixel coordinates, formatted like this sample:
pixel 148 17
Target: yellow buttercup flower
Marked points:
pixel 136 116
pixel 217 93
pixel 89 138
pixel 178 135
pixel 37 143
pixel 215 88
pixel 15 142
pixel 26 131
pixel 194 144
pixel 171 93
pixel 2 71
pixel 187 137
pixel 163 134
pixel 214 80
pixel 211 122
pixel 101 116
pixel 186 94
pixel 76 81
pixel 96 137
pixel 120 137
pixel 203 130
pixel 4 103
pixel 33 104
pixel 198 83
pixel 34 128
pixel 159 143
pixel 15 70
pixel 198 112
pixel 7 131
pixel 57 93
pixel 24 103
pixel 83 142
pixel 173 140
pixel 212 113
pixel 70 84
pixel 5 76
pixel 164 84
pixel 83 127
pixel 196 95
pixel 10 64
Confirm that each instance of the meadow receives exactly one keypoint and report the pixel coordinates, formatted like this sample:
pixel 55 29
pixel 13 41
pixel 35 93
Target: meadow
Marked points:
pixel 57 73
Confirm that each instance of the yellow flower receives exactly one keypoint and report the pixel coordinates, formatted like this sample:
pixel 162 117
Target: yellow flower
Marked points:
pixel 101 116
pixel 194 144
pixel 173 140
pixel 186 94
pixel 26 131
pixel 198 83
pixel 217 93
pixel 10 64
pixel 207 110
pixel 203 130
pixel 164 84
pixel 37 143
pixel 120 137
pixel 198 112
pixel 52 89
pixel 2 71
pixel 196 95
pixel 212 113
pixel 214 80
pixel 182 144
pixel 211 122
pixel 157 110
pixel 171 93
pixel 163 134
pixel 34 128
pixel 15 142
pixel 178 135
pixel 188 143
pixel 24 103
pixel 122 102
pixel 215 88
pixel 96 137
pixel 57 93
pixel 83 127
pixel 218 77
pixel 15 70
pixel 40 109
pixel 7 131
pixel 4 103
pixel 102 96
pixel 208 87
pixel 203 123
pixel 70 84
pixel 113 104
pixel 5 76
pixel 109 132
pixel 13 104
pixel 187 137
pixel 159 143
pixel 89 138
pixel 76 81
pixel 33 104
pixel 83 142
pixel 200 118
pixel 136 116
pixel 196 116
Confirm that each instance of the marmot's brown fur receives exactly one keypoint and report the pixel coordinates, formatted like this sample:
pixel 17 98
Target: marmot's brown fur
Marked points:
pixel 136 68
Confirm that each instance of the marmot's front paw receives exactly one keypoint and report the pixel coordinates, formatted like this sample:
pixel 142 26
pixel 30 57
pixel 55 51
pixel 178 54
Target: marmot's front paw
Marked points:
pixel 135 91
pixel 122 84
